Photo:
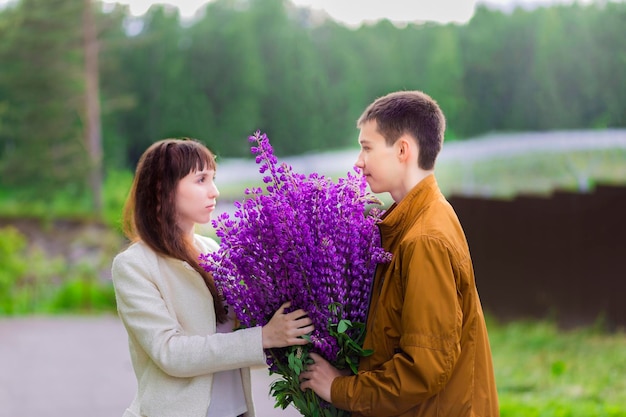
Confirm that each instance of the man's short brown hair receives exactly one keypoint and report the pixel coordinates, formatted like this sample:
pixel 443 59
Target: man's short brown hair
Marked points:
pixel 411 112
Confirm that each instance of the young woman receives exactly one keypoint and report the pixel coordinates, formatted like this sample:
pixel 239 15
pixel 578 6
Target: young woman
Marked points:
pixel 187 359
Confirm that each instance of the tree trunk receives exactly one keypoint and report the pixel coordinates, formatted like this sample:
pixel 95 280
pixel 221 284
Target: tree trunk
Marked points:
pixel 93 130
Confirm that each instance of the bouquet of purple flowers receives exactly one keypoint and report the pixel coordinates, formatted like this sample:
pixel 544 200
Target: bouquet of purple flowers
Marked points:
pixel 305 239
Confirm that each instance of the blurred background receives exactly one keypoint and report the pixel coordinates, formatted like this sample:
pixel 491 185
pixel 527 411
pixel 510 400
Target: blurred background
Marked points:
pixel 534 159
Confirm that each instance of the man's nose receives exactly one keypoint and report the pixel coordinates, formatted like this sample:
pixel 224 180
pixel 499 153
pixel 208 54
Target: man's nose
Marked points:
pixel 359 162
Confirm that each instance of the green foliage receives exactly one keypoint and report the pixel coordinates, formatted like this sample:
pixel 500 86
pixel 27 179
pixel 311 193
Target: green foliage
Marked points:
pixel 307 81
pixel 350 337
pixel 65 205
pixel 273 67
pixel 13 266
pixel 31 282
pixel 40 88
pixel 83 293
pixel 115 191
pixel 556 408
pixel 542 370
pixel 22 203
pixel 270 65
pixel 28 277
pixel 293 361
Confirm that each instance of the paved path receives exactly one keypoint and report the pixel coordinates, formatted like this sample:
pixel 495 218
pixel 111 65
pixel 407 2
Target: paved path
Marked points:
pixel 78 366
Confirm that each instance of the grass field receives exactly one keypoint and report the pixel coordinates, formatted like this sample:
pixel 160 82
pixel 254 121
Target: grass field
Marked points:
pixel 544 371
pixel 536 173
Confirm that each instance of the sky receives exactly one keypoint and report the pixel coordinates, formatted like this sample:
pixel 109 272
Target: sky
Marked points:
pixel 355 12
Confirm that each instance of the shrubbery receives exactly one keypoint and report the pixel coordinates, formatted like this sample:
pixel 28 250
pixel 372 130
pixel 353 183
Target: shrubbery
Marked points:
pixel 33 283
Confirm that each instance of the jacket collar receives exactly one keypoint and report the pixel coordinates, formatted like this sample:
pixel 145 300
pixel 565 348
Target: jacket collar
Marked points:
pixel 403 213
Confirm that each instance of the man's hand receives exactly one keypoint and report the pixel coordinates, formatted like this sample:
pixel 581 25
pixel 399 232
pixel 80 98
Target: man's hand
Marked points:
pixel 319 376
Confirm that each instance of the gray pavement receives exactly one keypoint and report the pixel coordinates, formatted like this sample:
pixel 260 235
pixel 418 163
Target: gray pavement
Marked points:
pixel 76 366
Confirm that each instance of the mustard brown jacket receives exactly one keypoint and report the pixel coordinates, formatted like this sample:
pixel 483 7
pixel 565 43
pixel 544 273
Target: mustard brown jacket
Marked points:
pixel 426 326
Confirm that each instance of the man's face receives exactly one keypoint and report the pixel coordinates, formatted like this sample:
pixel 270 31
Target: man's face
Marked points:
pixel 379 162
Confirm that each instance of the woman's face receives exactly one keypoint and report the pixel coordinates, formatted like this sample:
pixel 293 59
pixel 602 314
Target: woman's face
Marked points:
pixel 196 195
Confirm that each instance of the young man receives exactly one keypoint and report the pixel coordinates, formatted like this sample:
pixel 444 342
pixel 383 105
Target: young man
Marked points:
pixel 425 325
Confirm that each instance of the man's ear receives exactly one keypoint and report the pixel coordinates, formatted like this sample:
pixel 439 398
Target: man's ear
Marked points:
pixel 404 148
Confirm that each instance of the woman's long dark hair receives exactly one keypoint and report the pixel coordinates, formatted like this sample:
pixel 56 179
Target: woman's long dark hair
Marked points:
pixel 150 210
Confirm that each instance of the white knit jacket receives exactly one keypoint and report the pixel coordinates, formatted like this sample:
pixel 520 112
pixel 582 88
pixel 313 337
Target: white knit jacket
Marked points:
pixel 169 316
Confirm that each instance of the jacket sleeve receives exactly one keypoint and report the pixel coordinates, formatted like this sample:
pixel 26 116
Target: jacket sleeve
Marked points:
pixel 155 328
pixel 430 333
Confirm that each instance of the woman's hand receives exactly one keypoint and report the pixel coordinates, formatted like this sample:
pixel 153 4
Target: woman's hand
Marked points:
pixel 286 329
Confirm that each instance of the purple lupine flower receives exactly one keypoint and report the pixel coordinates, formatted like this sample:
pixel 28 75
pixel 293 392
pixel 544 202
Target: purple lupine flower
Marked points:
pixel 304 239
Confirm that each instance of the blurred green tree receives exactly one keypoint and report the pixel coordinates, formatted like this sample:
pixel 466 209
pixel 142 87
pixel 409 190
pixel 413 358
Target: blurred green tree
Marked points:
pixel 155 72
pixel 289 71
pixel 42 82
pixel 227 71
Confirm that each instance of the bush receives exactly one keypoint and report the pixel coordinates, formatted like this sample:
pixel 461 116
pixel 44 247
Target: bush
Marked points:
pixel 31 282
